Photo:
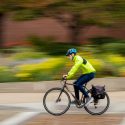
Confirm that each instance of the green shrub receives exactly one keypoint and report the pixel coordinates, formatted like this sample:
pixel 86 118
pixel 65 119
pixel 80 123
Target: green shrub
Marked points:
pixel 122 72
pixel 115 59
pixel 41 71
pixel 6 75
pixel 103 40
pixel 49 45
pixel 26 14
pixel 102 68
pixel 118 48
pixel 27 55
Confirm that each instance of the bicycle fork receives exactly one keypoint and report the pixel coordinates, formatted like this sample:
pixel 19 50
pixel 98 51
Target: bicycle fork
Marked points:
pixel 59 99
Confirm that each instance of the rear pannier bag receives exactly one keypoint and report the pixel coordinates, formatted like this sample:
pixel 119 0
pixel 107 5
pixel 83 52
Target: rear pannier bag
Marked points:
pixel 98 92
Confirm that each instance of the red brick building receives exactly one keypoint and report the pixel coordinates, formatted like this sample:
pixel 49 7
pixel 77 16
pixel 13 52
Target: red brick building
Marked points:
pixel 15 32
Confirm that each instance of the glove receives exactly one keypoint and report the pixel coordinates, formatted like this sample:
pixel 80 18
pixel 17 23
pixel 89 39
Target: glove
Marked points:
pixel 64 77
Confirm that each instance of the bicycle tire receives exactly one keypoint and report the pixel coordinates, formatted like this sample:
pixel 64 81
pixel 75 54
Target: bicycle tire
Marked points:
pixel 63 92
pixel 103 111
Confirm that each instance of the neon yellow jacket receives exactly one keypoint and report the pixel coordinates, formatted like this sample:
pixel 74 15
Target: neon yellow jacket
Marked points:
pixel 86 67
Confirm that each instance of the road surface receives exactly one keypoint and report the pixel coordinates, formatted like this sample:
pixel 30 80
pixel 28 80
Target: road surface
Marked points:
pixel 27 109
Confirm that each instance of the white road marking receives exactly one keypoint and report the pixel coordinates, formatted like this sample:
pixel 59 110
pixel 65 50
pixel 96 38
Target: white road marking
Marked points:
pixel 123 122
pixel 19 118
pixel 33 109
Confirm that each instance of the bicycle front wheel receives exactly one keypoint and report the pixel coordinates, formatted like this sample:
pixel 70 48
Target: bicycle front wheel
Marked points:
pixel 56 101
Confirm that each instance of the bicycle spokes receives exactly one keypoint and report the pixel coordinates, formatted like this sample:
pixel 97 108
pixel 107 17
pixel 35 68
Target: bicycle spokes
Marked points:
pixel 98 106
pixel 56 103
pixel 58 100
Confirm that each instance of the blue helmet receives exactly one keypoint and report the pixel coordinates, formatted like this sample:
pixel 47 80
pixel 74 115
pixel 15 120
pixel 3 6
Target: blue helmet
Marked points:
pixel 70 51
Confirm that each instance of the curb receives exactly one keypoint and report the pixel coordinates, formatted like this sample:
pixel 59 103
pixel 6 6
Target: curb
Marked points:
pixel 112 84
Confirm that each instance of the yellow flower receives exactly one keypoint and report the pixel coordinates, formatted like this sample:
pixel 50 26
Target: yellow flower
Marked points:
pixel 3 68
pixel 97 64
pixel 116 59
pixel 122 71
pixel 23 75
pixel 28 69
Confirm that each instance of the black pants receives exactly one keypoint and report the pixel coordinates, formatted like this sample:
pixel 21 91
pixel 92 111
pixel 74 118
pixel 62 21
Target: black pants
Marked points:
pixel 78 84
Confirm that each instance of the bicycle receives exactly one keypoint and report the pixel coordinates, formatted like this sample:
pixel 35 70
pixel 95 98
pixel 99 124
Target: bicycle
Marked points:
pixel 57 101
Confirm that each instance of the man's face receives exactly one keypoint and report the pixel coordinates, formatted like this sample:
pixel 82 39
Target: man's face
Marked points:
pixel 70 57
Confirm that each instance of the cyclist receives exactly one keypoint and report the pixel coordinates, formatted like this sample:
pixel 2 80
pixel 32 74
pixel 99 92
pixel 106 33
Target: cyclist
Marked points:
pixel 88 73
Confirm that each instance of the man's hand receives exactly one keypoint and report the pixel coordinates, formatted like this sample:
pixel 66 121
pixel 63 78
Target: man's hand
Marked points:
pixel 64 76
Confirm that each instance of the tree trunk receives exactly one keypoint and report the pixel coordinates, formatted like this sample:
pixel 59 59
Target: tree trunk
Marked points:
pixel 74 35
pixel 75 29
pixel 1 29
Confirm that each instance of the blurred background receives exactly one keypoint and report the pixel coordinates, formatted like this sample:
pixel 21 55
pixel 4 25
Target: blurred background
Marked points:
pixel 36 34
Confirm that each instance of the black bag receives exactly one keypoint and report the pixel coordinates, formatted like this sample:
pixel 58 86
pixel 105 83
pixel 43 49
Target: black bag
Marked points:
pixel 98 92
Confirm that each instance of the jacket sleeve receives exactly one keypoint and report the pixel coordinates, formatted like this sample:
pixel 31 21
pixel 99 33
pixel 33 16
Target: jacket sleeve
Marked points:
pixel 78 63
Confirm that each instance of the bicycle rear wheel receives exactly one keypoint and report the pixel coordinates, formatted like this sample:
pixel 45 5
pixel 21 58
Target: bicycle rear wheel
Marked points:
pixel 56 101
pixel 98 107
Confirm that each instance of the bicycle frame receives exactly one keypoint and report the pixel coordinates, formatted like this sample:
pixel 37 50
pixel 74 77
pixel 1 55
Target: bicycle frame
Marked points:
pixel 66 87
pixel 79 103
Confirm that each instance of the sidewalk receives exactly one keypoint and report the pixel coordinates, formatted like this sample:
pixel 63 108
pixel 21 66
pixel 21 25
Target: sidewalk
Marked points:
pixel 112 84
pixel 77 119
pixel 17 108
pixel 20 102
pixel 27 99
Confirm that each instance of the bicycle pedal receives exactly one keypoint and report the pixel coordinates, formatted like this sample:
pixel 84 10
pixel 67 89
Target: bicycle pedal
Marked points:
pixel 79 106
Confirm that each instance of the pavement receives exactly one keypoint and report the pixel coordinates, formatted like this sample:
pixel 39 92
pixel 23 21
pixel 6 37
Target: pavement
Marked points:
pixel 22 104
pixel 77 119
pixel 111 83
pixel 19 108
